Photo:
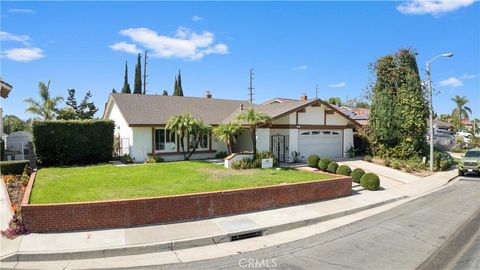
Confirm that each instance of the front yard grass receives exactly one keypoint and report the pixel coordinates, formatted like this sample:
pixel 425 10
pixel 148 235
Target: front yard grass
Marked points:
pixel 108 182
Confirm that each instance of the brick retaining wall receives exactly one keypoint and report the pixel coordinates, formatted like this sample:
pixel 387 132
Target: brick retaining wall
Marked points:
pixel 145 211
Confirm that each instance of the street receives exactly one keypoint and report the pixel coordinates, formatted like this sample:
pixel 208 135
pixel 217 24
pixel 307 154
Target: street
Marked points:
pixel 417 233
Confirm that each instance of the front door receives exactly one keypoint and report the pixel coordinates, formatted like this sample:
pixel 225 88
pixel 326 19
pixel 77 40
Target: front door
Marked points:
pixel 279 147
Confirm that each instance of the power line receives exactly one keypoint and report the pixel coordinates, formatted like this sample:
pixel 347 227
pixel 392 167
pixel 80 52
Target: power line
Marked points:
pixel 250 93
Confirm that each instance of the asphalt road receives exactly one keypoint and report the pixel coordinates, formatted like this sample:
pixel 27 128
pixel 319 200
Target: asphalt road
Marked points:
pixel 437 231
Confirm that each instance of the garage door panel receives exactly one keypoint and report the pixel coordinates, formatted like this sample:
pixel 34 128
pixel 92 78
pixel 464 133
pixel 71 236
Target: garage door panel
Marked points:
pixel 325 143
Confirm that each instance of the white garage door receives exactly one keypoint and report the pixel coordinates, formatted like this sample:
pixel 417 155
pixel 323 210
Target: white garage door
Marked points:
pixel 324 143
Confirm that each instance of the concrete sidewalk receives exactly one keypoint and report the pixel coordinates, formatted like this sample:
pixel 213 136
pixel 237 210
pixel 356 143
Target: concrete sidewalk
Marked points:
pixel 176 237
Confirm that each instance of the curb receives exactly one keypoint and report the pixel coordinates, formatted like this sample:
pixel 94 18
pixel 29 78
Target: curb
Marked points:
pixel 180 244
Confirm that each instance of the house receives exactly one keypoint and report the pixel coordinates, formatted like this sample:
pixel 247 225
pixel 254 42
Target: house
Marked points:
pixel 309 126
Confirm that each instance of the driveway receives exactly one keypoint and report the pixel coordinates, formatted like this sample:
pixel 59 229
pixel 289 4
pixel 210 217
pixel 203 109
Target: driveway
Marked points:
pixel 388 177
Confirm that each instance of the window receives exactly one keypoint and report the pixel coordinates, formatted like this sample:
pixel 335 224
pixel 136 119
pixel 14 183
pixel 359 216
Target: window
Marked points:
pixel 335 133
pixel 165 142
pixel 202 144
pixel 305 133
pixel 326 132
pixel 315 132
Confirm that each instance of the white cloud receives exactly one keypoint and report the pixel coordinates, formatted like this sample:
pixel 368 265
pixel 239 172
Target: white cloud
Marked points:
pixel 23 54
pixel 451 82
pixel 338 85
pixel 434 7
pixel 467 76
pixel 21 10
pixel 185 44
pixel 125 47
pixel 300 68
pixel 6 36
pixel 197 18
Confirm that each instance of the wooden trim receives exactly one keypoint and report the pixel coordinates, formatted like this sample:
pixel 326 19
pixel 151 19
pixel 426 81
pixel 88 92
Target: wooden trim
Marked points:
pixel 343 147
pixel 328 112
pixel 147 125
pixel 296 119
pixel 295 109
pixel 179 153
pixel 210 141
pixel 309 126
pixel 302 110
pixel 317 105
pixel 324 118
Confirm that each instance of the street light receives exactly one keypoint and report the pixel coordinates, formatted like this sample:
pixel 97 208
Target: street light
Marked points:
pixel 431 104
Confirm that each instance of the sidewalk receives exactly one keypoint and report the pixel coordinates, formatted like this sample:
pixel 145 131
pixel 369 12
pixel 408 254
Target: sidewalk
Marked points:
pixel 176 237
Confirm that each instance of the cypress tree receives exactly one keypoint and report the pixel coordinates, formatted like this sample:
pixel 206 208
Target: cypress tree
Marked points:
pixel 175 87
pixel 126 85
pixel 165 93
pixel 137 89
pixel 180 89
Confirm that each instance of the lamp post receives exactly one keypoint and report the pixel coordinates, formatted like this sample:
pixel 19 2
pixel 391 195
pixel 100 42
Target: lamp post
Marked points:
pixel 431 104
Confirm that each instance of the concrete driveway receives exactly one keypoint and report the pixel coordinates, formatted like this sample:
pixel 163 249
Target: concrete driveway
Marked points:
pixel 388 177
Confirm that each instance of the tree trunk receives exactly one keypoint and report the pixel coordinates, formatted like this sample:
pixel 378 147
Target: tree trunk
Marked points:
pixel 182 144
pixel 197 141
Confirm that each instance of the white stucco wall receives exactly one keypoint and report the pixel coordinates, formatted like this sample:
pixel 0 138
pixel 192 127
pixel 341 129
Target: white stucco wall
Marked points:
pixel 142 143
pixel 347 139
pixel 293 140
pixel 263 139
pixel 311 116
pixel 218 146
pixel 243 142
pixel 336 119
pixel 121 126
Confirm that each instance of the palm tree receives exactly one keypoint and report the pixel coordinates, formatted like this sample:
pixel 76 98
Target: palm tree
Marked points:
pixel 254 119
pixel 461 111
pixel 47 107
pixel 184 126
pixel 226 133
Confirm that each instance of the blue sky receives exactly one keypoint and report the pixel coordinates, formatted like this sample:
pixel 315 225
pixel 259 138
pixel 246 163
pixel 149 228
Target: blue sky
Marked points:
pixel 292 46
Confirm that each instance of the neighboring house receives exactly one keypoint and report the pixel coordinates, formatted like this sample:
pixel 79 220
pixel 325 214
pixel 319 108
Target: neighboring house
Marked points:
pixel 17 145
pixel 306 126
pixel 467 123
pixel 4 92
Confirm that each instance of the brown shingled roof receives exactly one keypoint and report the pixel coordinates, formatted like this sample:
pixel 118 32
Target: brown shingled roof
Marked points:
pixel 156 109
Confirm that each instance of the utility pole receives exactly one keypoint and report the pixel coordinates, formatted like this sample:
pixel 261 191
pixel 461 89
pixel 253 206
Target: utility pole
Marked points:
pixel 145 73
pixel 250 93
pixel 316 91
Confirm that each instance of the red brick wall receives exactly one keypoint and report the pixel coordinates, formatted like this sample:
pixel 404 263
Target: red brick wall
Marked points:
pixel 126 213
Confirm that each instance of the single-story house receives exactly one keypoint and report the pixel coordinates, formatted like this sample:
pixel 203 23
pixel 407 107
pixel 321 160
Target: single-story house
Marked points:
pixel 308 126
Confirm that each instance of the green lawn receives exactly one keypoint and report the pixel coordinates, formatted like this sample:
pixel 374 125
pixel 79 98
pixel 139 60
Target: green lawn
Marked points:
pixel 108 182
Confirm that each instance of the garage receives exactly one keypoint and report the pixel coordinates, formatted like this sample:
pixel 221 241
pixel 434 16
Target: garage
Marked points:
pixel 324 143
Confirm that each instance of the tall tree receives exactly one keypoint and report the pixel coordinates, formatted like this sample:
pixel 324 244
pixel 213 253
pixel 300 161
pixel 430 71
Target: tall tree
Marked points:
pixel 46 108
pixel 178 90
pixel 253 119
pixel 461 111
pixel 226 133
pixel 335 101
pixel 165 93
pixel 12 123
pixel 137 89
pixel 84 110
pixel 126 85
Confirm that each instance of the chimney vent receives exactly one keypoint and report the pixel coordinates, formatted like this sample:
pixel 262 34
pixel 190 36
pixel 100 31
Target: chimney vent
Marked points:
pixel 208 94
pixel 303 96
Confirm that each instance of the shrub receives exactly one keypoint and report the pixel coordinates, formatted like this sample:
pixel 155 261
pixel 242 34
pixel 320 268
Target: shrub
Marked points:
pixel 351 152
pixel 13 167
pixel 73 141
pixel 265 155
pixel 357 175
pixel 367 158
pixel 370 181
pixel 344 170
pixel 323 164
pixel 361 144
pixel 296 156
pixel 244 164
pixel 387 163
pixel 15 228
pixel 24 179
pixel 154 159
pixel 442 161
pixel 332 167
pixel 221 154
pixel 457 150
pixel 395 164
pixel 312 161
pixel 127 159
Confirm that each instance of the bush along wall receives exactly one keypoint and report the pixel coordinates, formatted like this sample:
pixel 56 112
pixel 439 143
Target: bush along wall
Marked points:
pixel 73 142
pixel 13 167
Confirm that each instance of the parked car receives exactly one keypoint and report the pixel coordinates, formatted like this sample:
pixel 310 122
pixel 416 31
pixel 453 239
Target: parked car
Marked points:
pixel 470 163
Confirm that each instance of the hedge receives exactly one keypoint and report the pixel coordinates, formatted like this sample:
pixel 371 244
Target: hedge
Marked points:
pixel 344 170
pixel 323 164
pixel 357 175
pixel 13 167
pixel 370 181
pixel 313 160
pixel 73 141
pixel 332 167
